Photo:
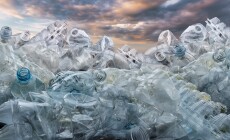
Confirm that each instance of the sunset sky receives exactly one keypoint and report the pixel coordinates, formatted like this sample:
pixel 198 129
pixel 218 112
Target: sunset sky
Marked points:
pixel 133 22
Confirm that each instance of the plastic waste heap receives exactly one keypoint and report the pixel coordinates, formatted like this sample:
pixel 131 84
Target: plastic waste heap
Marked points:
pixel 59 85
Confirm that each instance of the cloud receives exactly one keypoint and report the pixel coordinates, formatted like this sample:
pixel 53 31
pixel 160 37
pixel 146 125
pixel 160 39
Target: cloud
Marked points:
pixel 170 3
pixel 7 9
pixel 126 9
pixel 176 18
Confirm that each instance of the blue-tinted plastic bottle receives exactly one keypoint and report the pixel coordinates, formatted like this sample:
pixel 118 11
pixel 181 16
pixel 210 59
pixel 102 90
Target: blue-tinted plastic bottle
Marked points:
pixel 24 83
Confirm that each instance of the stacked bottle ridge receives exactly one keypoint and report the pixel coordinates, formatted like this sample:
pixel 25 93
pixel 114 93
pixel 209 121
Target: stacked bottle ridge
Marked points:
pixel 207 118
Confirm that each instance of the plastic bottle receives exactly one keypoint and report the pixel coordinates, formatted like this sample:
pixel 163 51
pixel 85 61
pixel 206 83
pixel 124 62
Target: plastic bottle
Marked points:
pixel 24 37
pixel 78 38
pixel 25 83
pixel 6 33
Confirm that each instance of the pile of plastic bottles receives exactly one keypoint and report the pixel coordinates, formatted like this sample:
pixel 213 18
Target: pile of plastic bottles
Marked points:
pixel 58 85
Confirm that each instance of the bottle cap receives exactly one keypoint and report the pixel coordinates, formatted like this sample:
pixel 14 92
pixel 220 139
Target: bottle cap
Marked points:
pixel 23 75
pixel 179 50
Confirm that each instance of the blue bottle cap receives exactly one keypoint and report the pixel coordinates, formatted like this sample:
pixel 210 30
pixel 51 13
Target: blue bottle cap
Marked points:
pixel 179 50
pixel 23 75
pixel 6 32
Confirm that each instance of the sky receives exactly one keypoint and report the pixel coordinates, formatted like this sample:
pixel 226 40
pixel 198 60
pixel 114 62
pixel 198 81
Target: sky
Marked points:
pixel 136 23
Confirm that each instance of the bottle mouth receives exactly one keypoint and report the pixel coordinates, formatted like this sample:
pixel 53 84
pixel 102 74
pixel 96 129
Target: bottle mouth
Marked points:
pixel 23 75
pixel 219 55
pixel 74 32
pixel 160 56
pixel 100 75
pixel 25 36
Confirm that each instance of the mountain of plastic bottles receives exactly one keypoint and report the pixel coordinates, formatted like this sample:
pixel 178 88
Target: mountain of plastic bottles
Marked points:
pixel 58 85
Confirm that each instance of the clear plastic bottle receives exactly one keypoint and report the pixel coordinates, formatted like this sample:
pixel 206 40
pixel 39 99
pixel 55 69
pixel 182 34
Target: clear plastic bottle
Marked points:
pixel 6 33
pixel 25 83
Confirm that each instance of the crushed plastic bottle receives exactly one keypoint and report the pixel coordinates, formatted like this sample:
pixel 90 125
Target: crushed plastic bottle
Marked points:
pixel 27 120
pixel 78 38
pixel 105 43
pixel 83 82
pixel 215 29
pixel 132 57
pixel 25 83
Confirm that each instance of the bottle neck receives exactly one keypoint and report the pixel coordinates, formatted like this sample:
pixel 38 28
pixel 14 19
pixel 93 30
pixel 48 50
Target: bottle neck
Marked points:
pixel 25 82
pixel 4 41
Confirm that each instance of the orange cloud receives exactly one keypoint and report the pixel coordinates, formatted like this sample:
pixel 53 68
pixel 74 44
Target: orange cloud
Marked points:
pixel 133 6
pixel 84 7
pixel 138 45
pixel 7 9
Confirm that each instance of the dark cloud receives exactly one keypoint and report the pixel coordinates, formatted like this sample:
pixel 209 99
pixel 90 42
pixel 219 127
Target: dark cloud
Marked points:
pixel 123 33
pixel 181 15
pixel 220 9
pixel 81 10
